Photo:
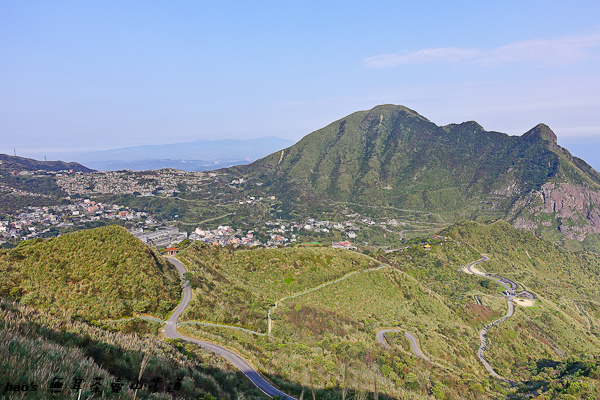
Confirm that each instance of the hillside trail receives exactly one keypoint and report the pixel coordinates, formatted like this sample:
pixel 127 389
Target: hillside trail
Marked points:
pixel 583 315
pixel 172 323
pixel 237 361
pixel 396 208
pixel 206 220
pixel 253 375
pixel 270 321
pixel 414 344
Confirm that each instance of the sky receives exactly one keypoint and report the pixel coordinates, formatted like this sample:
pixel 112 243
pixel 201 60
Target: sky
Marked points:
pixel 94 75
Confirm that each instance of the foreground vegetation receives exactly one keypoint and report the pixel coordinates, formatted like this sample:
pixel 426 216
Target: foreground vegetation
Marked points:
pixel 323 341
pixel 98 273
pixel 36 347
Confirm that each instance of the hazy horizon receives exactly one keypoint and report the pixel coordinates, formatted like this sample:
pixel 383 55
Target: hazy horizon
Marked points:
pixel 101 75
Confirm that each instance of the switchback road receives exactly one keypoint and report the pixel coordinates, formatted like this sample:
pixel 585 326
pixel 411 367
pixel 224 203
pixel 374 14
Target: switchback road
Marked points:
pixel 233 358
pixel 483 344
pixel 414 344
pixel 509 285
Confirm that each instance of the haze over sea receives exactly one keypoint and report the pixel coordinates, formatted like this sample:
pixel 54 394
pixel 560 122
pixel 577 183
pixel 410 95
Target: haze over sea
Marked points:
pixel 80 77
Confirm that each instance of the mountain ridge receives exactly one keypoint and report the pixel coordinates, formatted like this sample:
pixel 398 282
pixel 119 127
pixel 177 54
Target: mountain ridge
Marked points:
pixel 30 164
pixel 391 155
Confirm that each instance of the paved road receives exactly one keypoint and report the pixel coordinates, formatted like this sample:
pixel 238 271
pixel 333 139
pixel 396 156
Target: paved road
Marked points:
pixel 237 361
pixel 483 342
pixel 469 266
pixel 508 284
pixel 414 344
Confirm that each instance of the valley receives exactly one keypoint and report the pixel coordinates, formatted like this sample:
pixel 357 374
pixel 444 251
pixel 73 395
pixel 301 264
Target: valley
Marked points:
pixel 349 265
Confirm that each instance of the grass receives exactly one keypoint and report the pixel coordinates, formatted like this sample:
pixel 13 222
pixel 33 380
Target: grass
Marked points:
pixel 423 292
pixel 552 347
pixel 98 273
pixel 322 328
pixel 37 346
pixel 238 287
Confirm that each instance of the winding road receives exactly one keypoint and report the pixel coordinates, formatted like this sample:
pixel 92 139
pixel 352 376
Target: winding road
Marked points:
pixel 510 286
pixel 233 358
pixel 252 374
pixel 414 344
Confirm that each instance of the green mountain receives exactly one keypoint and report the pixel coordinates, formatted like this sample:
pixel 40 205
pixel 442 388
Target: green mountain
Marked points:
pixel 392 156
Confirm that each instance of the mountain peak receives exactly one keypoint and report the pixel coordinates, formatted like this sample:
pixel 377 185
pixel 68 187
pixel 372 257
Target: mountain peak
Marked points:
pixel 382 108
pixel 17 163
pixel 541 131
pixel 471 125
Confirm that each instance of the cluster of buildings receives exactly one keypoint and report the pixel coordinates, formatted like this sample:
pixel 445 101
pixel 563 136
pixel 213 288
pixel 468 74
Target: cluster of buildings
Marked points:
pixel 21 192
pixel 253 200
pixel 343 245
pixel 223 236
pixel 162 237
pixel 37 221
pixel 144 183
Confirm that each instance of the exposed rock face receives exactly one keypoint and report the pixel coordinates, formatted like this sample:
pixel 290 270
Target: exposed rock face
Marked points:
pixel 392 156
pixel 576 208
pixel 524 223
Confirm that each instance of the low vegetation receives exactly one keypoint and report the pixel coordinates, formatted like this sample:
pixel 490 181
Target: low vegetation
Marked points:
pixel 37 347
pixel 323 343
pixel 99 273
pixel 238 287
pixel 318 335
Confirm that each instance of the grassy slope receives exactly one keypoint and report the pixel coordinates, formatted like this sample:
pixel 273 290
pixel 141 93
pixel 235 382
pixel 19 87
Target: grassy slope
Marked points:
pixel 424 293
pixel 565 320
pixel 322 328
pixel 239 287
pixel 97 273
pixel 37 346
pixel 407 161
pixel 316 334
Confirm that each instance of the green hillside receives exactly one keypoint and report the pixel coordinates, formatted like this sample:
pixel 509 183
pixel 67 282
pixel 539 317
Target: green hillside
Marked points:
pixel 325 306
pixel 98 273
pixel 392 156
pixel 551 347
pixel 18 164
pixel 36 347
pixel 239 287
pixel 315 334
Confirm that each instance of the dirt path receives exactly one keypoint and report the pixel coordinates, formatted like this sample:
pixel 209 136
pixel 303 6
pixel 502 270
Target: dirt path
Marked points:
pixel 270 321
pixel 206 220
pixel 583 314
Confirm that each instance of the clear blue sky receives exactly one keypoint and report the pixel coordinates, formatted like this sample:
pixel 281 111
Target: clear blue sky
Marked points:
pixel 87 75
